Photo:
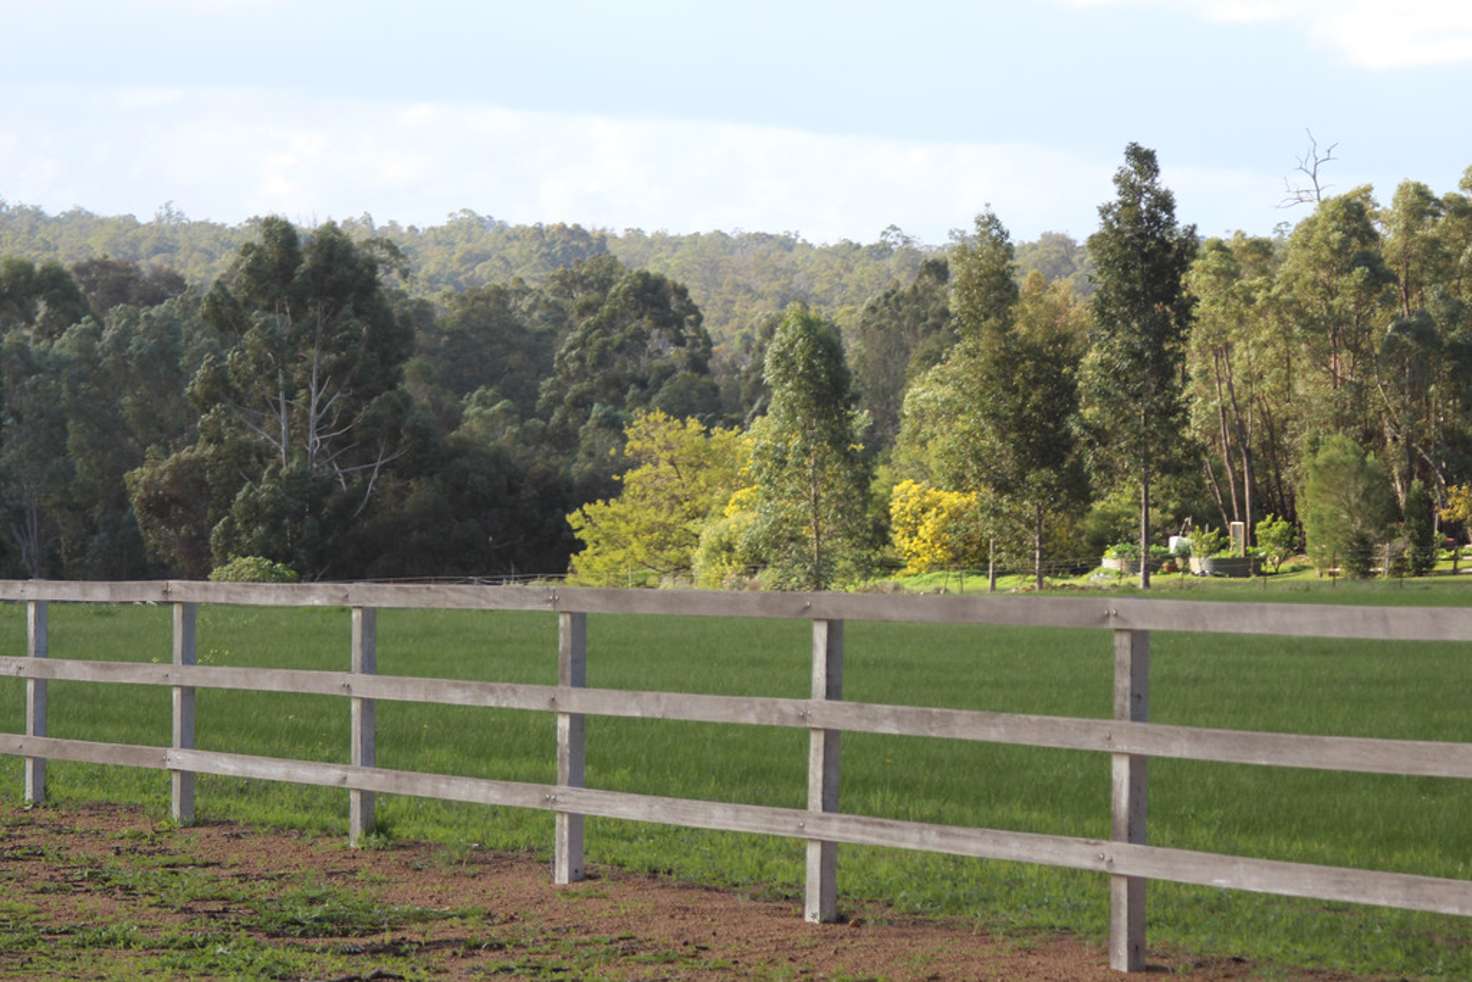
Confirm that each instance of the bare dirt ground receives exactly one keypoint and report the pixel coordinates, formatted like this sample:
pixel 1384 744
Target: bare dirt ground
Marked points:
pixel 104 892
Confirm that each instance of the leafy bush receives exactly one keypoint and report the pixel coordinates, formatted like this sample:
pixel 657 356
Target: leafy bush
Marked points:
pixel 253 569
pixel 1277 538
pixel 935 529
pixel 1207 541
pixel 1420 531
pixel 1359 555
pixel 1347 506
pixel 1131 550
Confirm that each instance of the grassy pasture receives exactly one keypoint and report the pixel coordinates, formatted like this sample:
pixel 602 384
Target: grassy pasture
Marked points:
pixel 1350 688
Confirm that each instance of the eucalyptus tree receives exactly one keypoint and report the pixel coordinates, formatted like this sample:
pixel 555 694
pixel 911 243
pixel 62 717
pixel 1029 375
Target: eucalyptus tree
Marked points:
pixel 899 334
pixel 1240 359
pixel 811 474
pixel 1000 415
pixel 303 412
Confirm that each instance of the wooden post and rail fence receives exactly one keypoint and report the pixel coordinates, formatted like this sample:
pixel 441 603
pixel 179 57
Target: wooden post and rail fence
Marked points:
pixel 1129 737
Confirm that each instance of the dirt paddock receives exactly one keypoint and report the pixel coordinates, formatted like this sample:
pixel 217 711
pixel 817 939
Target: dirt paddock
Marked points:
pixel 102 891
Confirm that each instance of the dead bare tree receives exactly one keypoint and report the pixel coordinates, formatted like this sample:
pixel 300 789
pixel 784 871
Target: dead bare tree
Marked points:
pixel 1308 165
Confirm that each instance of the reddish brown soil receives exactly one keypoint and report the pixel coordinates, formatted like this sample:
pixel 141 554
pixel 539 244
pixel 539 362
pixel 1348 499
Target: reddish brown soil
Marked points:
pixel 510 921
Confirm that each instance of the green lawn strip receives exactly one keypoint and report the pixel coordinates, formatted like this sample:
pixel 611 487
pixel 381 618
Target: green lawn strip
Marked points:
pixel 1293 685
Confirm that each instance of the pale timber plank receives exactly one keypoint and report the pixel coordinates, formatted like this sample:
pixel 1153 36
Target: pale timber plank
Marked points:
pixel 1113 858
pixel 181 798
pixel 572 749
pixel 1416 758
pixel 820 896
pixel 363 721
pixel 1118 613
pixel 1128 806
pixel 37 645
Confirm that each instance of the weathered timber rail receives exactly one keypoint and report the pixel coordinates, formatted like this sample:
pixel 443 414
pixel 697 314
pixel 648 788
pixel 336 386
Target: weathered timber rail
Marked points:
pixel 1129 738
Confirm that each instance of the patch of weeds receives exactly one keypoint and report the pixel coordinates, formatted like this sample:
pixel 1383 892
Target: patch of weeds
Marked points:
pixel 18 930
pixel 168 886
pixel 665 957
pixel 523 968
pixel 329 912
pixel 480 945
pixel 238 956
pixel 123 936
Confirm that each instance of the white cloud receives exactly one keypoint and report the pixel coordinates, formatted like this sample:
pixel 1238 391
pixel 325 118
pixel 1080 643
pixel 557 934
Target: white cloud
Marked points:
pixel 1376 34
pixel 230 154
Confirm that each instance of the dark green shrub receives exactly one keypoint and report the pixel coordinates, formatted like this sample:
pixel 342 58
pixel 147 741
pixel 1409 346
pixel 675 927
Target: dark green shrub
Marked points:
pixel 1420 531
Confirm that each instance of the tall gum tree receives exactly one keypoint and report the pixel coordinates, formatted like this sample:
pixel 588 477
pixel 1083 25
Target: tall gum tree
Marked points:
pixel 302 413
pixel 1142 317
pixel 811 474
pixel 998 419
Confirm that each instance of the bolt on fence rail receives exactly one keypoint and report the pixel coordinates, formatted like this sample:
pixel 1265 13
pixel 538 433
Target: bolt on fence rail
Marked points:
pixel 1129 738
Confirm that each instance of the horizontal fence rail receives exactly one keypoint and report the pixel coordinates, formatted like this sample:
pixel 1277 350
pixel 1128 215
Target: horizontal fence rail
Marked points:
pixel 1117 613
pixel 1406 890
pixel 1414 758
pixel 1129 738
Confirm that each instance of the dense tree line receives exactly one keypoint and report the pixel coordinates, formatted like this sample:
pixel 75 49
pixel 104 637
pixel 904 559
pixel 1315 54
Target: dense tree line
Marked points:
pixel 477 398
pixel 736 278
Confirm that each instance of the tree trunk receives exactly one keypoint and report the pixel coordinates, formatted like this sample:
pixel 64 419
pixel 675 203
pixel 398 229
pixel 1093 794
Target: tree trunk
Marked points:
pixel 1214 487
pixel 991 565
pixel 1037 547
pixel 1225 437
pixel 1242 423
pixel 1145 526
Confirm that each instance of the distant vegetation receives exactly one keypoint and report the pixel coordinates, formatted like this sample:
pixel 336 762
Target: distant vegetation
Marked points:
pixel 374 400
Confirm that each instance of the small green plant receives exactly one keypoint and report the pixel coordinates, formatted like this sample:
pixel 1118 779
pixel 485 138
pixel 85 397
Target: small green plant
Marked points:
pixel 1278 539
pixel 253 569
pixel 1131 550
pixel 1207 541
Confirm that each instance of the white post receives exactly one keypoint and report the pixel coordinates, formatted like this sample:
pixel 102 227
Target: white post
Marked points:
pixel 1127 893
pixel 820 903
pixel 35 700
pixel 364 741
pixel 181 802
pixel 572 670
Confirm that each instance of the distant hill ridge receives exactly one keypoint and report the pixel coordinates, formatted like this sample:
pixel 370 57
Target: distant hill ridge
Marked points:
pixel 735 277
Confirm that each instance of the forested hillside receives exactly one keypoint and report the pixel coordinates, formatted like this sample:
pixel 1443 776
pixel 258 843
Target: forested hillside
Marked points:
pixel 477 398
pixel 735 277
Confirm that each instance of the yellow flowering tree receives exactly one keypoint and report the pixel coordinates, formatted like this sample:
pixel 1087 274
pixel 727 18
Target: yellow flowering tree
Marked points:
pixel 935 529
pixel 682 478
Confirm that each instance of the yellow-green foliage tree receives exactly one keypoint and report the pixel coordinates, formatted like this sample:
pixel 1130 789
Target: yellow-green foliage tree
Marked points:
pixel 1458 511
pixel 682 479
pixel 935 529
pixel 727 554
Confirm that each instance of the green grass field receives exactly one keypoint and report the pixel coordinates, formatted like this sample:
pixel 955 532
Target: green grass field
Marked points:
pixel 1374 689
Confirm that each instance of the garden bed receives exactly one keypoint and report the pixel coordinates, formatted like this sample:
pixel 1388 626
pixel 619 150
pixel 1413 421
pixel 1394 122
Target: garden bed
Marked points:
pixel 1235 566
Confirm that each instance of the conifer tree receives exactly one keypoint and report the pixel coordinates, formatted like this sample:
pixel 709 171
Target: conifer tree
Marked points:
pixel 1142 314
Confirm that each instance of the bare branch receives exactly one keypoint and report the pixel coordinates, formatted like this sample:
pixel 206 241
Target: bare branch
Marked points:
pixel 1308 165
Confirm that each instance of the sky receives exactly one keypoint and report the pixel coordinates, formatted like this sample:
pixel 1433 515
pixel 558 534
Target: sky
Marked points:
pixel 829 119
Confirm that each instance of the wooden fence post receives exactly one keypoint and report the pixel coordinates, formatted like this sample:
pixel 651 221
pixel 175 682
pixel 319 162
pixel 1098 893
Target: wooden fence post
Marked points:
pixel 36 645
pixel 1127 893
pixel 181 801
pixel 364 729
pixel 820 903
pixel 572 670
